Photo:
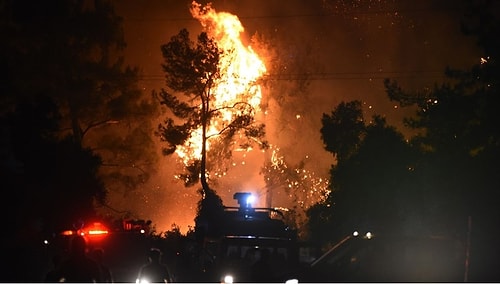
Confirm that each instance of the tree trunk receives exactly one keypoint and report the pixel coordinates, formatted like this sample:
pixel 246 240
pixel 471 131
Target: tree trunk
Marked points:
pixel 203 166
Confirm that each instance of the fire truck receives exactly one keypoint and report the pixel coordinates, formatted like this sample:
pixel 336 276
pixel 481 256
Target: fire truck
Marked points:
pixel 248 233
pixel 97 233
pixel 124 242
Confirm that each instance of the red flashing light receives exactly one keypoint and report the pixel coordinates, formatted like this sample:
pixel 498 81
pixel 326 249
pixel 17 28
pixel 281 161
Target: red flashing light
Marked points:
pixel 95 229
pixel 93 232
pixel 97 232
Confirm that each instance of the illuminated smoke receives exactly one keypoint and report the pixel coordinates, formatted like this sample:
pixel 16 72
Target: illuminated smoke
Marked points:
pixel 346 46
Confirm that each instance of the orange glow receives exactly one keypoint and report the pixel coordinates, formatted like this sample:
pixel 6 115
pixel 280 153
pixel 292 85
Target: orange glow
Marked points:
pixel 95 229
pixel 240 68
pixel 97 232
pixel 67 233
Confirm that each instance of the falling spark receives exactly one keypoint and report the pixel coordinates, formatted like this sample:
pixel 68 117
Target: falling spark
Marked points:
pixel 301 187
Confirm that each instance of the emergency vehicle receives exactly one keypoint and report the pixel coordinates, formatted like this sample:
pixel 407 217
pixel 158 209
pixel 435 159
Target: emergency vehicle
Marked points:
pixel 246 233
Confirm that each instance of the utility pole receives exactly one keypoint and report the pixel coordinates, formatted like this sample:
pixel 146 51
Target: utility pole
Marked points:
pixel 467 249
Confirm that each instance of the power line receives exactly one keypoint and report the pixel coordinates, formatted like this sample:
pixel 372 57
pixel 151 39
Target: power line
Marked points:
pixel 333 76
pixel 312 15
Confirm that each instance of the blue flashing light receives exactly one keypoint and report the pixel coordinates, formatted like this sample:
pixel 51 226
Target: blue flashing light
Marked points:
pixel 250 200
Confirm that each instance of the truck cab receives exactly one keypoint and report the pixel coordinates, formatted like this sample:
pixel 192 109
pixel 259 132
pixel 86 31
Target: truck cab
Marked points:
pixel 249 237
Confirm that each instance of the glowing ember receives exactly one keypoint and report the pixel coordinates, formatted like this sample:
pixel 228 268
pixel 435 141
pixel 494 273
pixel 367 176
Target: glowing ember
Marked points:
pixel 294 186
pixel 240 68
pixel 303 185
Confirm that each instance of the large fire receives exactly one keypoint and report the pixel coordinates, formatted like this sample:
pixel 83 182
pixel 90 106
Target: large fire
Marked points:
pixel 240 68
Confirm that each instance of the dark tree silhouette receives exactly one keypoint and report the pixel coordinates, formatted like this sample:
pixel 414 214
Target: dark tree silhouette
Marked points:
pixel 73 52
pixel 343 129
pixel 369 188
pixel 460 145
pixel 48 183
pixel 192 69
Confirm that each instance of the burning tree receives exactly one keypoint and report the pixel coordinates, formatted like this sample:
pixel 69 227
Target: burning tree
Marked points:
pixel 212 96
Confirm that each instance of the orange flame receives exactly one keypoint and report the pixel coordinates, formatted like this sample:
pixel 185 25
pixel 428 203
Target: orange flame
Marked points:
pixel 240 68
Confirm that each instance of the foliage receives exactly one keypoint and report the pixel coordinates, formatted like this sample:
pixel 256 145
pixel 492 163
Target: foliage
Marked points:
pixel 72 51
pixel 192 70
pixel 343 129
pixel 380 198
pixel 442 180
pixel 52 182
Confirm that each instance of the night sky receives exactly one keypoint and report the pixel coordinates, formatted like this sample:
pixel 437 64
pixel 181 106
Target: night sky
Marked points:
pixel 346 49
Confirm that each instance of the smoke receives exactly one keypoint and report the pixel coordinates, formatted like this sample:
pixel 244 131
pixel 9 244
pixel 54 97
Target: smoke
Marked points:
pixel 319 53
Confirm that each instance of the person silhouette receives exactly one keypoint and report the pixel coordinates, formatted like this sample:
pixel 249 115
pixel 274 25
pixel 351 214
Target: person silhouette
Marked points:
pixel 78 267
pixel 98 256
pixel 154 271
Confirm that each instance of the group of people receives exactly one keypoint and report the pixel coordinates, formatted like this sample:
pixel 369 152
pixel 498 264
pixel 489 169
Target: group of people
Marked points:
pixel 81 267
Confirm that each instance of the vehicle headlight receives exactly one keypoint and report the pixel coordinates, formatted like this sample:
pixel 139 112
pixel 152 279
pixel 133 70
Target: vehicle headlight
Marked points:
pixel 228 279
